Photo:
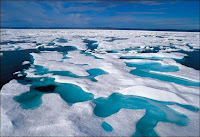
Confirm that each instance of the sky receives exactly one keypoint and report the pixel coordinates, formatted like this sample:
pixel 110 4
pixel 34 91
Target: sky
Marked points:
pixel 135 14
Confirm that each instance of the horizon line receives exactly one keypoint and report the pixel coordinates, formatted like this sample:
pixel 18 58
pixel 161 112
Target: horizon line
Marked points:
pixel 104 28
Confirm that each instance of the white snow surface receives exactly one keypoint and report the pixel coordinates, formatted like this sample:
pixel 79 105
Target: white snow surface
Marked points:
pixel 133 38
pixel 56 118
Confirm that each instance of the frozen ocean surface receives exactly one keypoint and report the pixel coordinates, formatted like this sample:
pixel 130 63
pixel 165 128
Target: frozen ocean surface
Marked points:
pixel 99 83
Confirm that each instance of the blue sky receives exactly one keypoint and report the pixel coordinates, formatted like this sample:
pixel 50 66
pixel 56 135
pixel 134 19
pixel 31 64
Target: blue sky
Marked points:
pixel 118 14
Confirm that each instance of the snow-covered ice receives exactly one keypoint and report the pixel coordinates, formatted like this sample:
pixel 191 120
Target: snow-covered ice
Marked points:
pixel 101 83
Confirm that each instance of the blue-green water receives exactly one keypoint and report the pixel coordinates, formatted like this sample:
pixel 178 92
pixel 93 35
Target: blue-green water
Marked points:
pixel 70 93
pixel 155 66
pixel 51 43
pixel 95 72
pixel 92 73
pixel 143 69
pixel 29 100
pixel 106 127
pixel 164 77
pixel 40 70
pixel 156 111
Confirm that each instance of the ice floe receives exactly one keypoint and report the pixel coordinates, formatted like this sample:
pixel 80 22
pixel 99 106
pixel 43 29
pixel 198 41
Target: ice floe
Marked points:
pixel 100 83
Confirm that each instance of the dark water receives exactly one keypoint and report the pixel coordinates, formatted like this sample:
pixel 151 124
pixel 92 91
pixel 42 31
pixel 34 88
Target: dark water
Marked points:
pixel 192 60
pixel 11 61
pixel 46 88
pixel 90 44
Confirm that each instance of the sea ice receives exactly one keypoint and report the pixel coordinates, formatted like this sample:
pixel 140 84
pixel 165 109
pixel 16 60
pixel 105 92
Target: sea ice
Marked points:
pixel 89 82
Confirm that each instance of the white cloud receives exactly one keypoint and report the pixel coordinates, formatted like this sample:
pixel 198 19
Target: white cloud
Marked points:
pixel 148 13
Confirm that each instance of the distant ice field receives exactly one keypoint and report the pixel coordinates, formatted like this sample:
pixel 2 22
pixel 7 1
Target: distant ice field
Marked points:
pixel 62 82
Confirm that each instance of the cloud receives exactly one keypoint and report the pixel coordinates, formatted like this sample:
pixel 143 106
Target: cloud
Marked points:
pixel 77 6
pixel 78 19
pixel 83 8
pixel 148 2
pixel 139 2
pixel 22 13
pixel 120 19
pixel 148 13
pixel 111 21
pixel 92 14
pixel 167 23
pixel 95 6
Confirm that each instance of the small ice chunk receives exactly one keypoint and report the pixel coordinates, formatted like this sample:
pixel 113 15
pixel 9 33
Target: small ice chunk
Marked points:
pixel 26 62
